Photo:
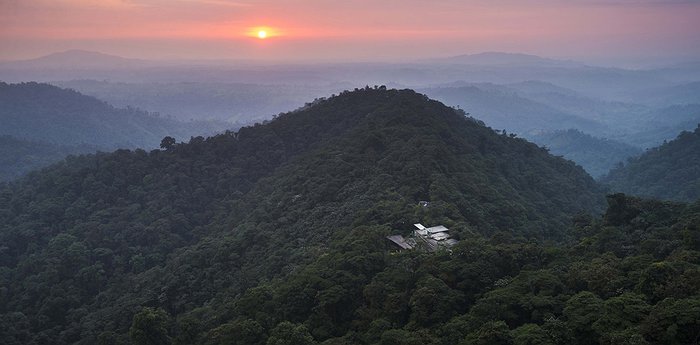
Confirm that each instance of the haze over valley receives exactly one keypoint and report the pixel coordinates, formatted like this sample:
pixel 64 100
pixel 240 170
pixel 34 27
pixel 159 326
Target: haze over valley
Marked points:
pixel 530 96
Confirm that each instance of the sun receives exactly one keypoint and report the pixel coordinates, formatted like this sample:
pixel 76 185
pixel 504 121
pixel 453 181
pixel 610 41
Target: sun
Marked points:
pixel 260 32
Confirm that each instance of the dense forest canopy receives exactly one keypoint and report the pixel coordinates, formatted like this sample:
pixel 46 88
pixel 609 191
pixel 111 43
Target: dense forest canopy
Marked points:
pixel 18 157
pixel 132 244
pixel 671 171
pixel 628 278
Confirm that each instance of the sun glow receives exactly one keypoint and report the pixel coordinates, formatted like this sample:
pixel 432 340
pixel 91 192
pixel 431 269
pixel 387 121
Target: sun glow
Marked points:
pixel 262 32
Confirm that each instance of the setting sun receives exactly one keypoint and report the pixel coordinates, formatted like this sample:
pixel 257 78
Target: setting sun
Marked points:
pixel 262 32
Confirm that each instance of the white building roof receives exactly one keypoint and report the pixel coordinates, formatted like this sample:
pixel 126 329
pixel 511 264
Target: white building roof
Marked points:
pixel 439 236
pixel 419 226
pixel 438 228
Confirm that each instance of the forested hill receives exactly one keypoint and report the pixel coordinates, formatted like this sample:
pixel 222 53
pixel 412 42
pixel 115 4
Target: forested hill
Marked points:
pixel 45 113
pixel 670 171
pixel 598 156
pixel 86 244
pixel 17 156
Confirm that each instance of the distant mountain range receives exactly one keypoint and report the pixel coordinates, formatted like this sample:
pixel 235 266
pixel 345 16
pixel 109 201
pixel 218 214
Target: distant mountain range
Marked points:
pixel 523 94
pixel 42 123
pixel 596 155
pixel 486 67
pixel 505 59
pixel 232 102
pixel 47 113
pixel 504 109
pixel 78 59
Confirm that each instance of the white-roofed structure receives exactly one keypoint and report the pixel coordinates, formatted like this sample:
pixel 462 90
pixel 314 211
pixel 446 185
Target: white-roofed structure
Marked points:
pixel 436 229
pixel 431 239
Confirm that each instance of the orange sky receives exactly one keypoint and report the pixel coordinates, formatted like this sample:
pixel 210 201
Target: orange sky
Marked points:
pixel 349 30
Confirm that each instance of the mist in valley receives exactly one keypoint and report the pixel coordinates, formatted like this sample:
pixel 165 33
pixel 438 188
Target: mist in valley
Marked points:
pixel 623 111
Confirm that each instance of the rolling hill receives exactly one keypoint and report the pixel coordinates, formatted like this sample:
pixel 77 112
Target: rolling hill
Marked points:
pixel 77 59
pixel 502 108
pixel 596 155
pixel 45 113
pixel 91 242
pixel 670 171
pixel 18 157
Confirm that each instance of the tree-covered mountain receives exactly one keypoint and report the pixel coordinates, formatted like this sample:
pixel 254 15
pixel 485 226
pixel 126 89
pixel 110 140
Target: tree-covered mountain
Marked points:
pixel 42 112
pixel 670 171
pixel 596 155
pixel 18 157
pixel 89 243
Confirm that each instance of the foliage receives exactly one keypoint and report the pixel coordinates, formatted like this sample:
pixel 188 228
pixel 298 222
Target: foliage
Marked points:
pixel 150 327
pixel 671 171
pixel 278 230
pixel 18 157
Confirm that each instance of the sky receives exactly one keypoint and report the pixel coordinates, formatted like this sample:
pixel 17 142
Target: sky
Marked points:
pixel 351 30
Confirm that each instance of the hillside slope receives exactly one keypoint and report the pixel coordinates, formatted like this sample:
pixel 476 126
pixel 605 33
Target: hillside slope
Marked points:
pixel 670 171
pixel 91 241
pixel 596 155
pixel 18 157
pixel 41 112
pixel 629 278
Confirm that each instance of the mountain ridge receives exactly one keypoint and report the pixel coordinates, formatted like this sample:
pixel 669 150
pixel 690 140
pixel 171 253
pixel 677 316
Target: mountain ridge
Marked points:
pixel 670 171
pixel 78 59
pixel 47 113
pixel 197 223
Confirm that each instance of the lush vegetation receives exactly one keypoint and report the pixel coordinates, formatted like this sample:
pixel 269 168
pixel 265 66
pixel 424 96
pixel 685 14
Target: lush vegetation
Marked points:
pixel 595 155
pixel 17 156
pixel 45 113
pixel 671 171
pixel 629 278
pixel 137 245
